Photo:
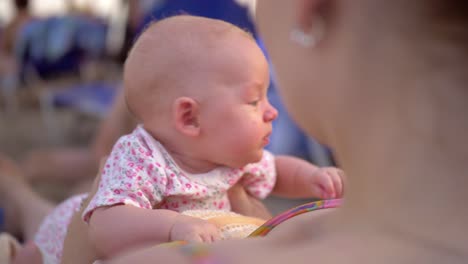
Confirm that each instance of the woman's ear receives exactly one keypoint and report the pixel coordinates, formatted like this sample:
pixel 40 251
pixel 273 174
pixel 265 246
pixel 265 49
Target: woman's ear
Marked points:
pixel 185 116
pixel 306 11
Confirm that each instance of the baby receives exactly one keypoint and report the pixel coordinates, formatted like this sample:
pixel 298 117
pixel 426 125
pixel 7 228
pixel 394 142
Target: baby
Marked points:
pixel 198 87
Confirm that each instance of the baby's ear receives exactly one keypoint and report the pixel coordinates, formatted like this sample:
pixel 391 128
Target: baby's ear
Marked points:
pixel 185 116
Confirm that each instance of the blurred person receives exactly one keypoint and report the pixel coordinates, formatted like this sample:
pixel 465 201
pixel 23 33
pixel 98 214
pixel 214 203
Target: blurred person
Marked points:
pixel 135 15
pixel 8 63
pixel 24 209
pixel 21 17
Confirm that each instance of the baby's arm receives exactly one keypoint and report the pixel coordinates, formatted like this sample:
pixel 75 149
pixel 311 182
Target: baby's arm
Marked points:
pixel 298 178
pixel 121 214
pixel 116 228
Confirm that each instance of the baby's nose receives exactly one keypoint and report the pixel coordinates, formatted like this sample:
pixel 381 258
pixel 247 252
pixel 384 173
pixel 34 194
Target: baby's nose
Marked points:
pixel 270 114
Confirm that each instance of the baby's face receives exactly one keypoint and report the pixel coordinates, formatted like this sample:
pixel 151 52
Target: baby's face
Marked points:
pixel 237 121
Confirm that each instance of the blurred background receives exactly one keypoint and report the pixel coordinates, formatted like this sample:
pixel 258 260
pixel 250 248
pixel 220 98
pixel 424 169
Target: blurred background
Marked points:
pixel 54 47
pixel 60 64
pixel 60 73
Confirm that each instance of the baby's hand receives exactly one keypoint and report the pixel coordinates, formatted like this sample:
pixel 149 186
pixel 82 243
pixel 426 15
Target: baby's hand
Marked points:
pixel 192 229
pixel 327 183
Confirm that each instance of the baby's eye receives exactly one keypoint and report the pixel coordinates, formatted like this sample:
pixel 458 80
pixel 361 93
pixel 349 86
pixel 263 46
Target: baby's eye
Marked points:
pixel 254 103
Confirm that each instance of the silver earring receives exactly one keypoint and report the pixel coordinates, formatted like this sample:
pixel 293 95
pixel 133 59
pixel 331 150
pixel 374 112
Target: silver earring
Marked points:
pixel 311 38
pixel 300 37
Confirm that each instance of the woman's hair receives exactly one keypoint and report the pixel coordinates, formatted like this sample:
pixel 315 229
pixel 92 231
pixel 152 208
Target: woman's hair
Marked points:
pixel 448 19
pixel 454 10
pixel 21 4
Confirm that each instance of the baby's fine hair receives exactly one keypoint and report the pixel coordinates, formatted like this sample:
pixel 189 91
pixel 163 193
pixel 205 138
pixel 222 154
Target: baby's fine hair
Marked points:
pixel 171 44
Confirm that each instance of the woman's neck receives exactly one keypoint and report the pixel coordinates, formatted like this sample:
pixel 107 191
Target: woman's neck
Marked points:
pixel 408 175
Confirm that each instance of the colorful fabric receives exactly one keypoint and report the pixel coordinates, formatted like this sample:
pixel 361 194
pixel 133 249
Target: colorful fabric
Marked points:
pixel 140 172
pixel 305 208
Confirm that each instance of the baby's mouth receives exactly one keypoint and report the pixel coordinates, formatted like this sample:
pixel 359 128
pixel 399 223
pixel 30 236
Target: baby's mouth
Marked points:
pixel 266 139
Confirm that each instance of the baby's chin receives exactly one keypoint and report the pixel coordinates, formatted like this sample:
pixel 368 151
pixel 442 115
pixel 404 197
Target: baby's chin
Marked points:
pixel 254 158
pixel 249 158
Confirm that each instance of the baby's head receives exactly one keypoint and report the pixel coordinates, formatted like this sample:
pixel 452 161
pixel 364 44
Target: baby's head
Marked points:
pixel 199 85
